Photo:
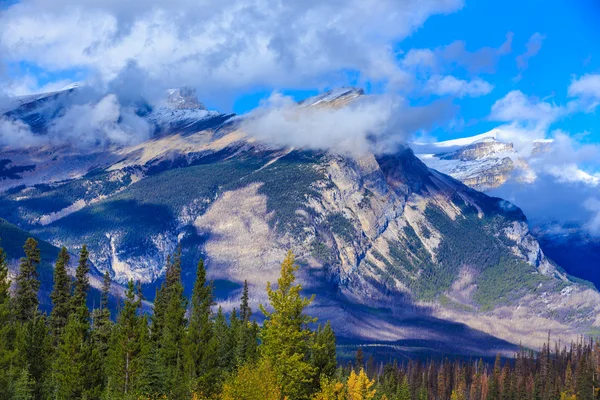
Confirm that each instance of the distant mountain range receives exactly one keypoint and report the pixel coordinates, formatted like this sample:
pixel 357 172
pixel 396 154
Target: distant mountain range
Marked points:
pixel 396 250
pixel 487 161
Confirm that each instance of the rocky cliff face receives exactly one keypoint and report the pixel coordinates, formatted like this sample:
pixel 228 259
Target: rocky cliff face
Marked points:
pixel 394 249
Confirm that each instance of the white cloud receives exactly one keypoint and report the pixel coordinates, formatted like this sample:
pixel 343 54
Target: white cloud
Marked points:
pixel 587 90
pixel 455 54
pixel 370 123
pixel 449 85
pixel 16 134
pixel 99 124
pixel 517 107
pixel 533 47
pixel 218 46
pixel 592 204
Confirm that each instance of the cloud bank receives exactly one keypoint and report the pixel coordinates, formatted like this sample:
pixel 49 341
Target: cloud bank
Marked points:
pixel 217 46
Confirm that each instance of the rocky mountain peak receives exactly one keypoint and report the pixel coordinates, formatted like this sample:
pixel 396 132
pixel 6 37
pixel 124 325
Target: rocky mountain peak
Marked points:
pixel 184 98
pixel 334 98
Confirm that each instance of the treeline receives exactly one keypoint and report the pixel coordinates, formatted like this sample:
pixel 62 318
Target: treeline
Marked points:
pixel 186 349
pixel 553 373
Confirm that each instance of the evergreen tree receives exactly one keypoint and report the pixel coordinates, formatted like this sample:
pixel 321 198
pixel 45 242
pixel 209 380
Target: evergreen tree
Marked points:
pixel 323 353
pixel 171 342
pixel 34 348
pixel 61 293
pixel 247 341
pixel 23 387
pixel 221 350
pixel 285 334
pixel 200 331
pixel 7 328
pixel 128 350
pixel 69 362
pixel 102 324
pixel 81 286
pixel 360 359
pixel 404 390
pixel 28 284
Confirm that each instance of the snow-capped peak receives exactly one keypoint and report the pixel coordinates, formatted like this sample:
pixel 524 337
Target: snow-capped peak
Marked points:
pixel 339 95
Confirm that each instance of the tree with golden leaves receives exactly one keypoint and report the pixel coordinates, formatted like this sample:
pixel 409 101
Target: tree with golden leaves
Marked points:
pixel 252 382
pixel 359 386
pixel 331 390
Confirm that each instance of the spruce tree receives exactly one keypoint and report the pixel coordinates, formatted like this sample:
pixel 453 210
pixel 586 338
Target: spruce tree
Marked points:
pixel 171 343
pixel 247 340
pixel 68 370
pixel 28 284
pixel 404 390
pixel 7 328
pixel 128 350
pixel 81 286
pixel 23 387
pixel 61 293
pixel 34 348
pixel 323 353
pixel 200 330
pixel 285 335
pixel 102 324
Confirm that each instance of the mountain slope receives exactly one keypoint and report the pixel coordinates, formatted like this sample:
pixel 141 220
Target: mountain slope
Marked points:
pixel 394 249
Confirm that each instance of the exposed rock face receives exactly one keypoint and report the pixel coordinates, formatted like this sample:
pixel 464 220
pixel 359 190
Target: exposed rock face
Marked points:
pixel 184 99
pixel 393 248
pixel 484 148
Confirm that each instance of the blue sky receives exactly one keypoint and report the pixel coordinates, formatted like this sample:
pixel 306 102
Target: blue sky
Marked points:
pixel 570 48
pixel 567 33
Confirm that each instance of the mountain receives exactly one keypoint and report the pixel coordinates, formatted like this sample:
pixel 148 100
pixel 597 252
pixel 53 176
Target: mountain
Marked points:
pixel 487 161
pixel 483 162
pixel 397 252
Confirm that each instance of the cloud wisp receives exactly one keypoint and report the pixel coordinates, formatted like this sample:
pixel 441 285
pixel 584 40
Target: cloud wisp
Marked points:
pixel 368 124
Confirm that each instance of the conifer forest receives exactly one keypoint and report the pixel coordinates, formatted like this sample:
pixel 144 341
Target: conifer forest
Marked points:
pixel 187 349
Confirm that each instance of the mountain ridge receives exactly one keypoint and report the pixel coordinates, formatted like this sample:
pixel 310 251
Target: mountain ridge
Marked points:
pixel 383 237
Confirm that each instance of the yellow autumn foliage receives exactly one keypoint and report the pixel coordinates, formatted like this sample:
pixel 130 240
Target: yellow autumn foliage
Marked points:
pixel 359 386
pixel 253 382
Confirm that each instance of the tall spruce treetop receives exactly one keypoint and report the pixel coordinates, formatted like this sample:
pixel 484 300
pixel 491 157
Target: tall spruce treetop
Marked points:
pixel 28 283
pixel 286 337
pixel 106 283
pixel 245 310
pixel 82 282
pixel 61 293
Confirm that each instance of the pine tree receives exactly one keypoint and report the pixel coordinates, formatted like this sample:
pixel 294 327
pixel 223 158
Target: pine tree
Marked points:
pixel 34 348
pixel 200 330
pixel 404 390
pixel 171 344
pixel 28 284
pixel 102 326
pixel 69 362
pixel 128 350
pixel 7 328
pixel 285 335
pixel 323 353
pixel 360 359
pixel 61 293
pixel 81 286
pixel 23 387
pixel 246 343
